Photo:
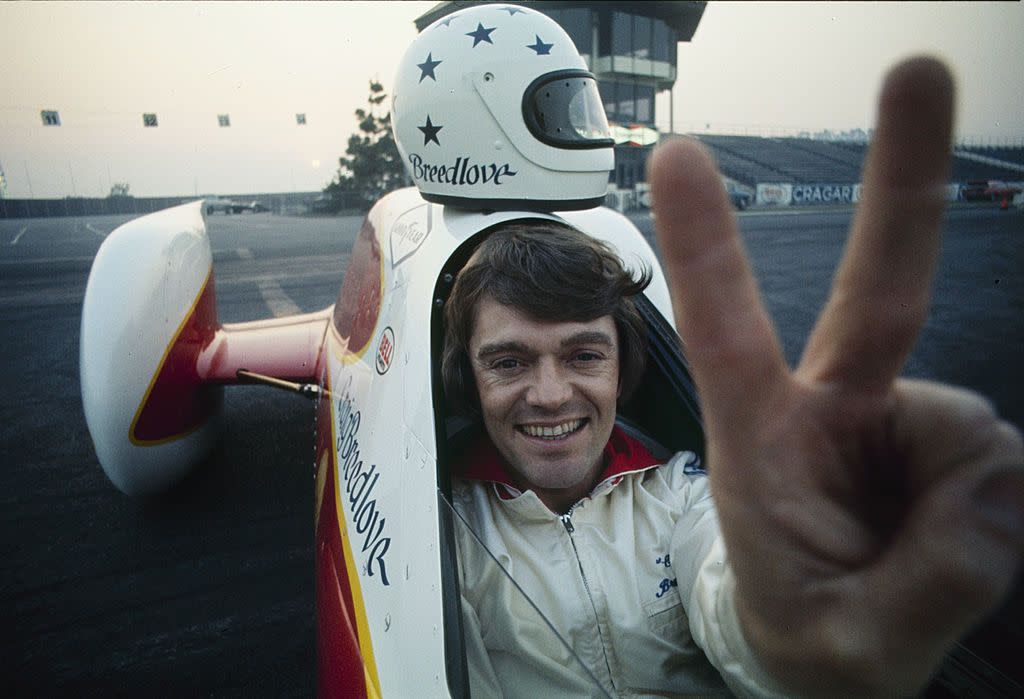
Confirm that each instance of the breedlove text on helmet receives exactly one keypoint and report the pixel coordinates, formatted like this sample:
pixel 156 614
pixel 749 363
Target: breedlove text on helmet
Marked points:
pixel 494 109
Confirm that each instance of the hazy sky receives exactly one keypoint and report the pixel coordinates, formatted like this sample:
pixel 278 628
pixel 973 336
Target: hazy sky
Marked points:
pixel 772 68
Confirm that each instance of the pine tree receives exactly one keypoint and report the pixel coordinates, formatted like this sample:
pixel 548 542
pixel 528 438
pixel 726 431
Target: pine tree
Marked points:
pixel 372 165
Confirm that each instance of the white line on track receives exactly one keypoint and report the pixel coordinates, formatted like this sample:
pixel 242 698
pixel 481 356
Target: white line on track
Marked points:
pixel 18 237
pixel 279 303
pixel 96 231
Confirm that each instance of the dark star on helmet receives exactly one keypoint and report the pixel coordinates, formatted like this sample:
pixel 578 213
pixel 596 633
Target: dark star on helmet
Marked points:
pixel 481 34
pixel 430 132
pixel 512 11
pixel 540 47
pixel 427 67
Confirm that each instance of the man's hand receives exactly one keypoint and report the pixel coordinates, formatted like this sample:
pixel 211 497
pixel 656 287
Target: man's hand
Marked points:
pixel 870 520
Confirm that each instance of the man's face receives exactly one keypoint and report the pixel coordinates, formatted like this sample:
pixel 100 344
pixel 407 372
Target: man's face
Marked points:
pixel 547 393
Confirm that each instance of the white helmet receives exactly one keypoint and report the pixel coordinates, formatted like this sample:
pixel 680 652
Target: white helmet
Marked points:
pixel 494 109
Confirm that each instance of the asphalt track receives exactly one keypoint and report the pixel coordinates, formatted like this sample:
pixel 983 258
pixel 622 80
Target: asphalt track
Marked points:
pixel 208 589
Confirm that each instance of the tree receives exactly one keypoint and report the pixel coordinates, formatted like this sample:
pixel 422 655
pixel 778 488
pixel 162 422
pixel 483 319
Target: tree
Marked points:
pixel 119 189
pixel 372 165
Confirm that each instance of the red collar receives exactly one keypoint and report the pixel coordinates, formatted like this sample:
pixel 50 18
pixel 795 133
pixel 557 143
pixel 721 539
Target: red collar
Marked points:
pixel 623 454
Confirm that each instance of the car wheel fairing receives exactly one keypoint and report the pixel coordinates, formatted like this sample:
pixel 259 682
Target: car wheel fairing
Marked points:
pixel 149 310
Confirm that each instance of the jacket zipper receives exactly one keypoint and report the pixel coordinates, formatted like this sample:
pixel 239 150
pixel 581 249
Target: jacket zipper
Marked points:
pixel 569 528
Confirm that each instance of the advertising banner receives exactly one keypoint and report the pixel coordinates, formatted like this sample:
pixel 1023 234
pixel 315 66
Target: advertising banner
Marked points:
pixel 811 194
pixel 774 194
pixel 784 194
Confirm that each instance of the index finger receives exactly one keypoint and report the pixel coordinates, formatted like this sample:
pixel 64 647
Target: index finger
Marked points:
pixel 880 295
pixel 729 338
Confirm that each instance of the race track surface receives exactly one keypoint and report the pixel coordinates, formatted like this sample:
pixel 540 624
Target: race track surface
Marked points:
pixel 208 589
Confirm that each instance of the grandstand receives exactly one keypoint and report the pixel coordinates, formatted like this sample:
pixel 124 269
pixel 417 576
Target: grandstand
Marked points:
pixel 988 163
pixel 1010 155
pixel 750 159
pixel 753 160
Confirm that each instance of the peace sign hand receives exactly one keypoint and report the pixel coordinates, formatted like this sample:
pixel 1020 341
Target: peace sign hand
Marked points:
pixel 870 520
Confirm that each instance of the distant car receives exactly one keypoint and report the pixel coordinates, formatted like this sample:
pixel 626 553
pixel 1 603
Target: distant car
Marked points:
pixel 322 204
pixel 1001 191
pixel 739 197
pixel 229 206
pixel 215 204
pixel 987 190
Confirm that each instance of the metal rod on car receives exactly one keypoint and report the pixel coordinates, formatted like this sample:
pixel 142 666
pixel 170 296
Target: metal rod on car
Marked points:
pixel 310 390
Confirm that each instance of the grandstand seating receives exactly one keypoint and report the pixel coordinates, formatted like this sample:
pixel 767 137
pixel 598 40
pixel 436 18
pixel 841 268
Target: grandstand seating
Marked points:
pixel 1010 155
pixel 794 160
pixel 751 159
pixel 965 169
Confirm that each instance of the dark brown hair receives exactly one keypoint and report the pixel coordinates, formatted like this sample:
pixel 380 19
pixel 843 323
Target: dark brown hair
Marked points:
pixel 551 272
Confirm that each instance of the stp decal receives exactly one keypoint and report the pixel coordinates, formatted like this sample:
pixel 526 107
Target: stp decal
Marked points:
pixel 385 351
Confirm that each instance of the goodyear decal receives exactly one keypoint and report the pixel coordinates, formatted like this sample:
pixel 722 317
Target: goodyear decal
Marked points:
pixel 409 231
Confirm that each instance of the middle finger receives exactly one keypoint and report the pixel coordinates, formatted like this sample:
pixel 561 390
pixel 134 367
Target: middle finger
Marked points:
pixel 880 295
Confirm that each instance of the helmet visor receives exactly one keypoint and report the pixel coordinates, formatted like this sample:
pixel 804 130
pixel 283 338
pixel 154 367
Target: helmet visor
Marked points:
pixel 564 109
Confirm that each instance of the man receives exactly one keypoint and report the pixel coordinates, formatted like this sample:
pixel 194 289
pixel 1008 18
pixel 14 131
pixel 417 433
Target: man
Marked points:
pixel 543 341
pixel 869 520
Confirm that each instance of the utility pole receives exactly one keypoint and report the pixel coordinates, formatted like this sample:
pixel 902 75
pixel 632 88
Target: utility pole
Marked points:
pixel 28 178
pixel 672 109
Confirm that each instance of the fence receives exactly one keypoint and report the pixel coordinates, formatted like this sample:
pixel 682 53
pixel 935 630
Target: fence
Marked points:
pixel 281 203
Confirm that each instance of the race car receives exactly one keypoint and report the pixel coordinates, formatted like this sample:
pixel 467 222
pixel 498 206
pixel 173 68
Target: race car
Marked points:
pixel 988 190
pixel 155 359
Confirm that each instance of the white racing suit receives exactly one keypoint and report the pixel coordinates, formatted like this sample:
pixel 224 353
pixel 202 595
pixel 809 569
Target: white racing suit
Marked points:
pixel 634 578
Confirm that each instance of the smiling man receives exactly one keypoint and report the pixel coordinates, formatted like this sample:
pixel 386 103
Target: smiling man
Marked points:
pixel 543 340
pixel 547 395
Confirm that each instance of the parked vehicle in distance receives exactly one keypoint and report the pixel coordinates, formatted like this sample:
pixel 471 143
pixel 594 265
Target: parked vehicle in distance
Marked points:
pixel 739 196
pixel 215 204
pixel 987 190
pixel 322 204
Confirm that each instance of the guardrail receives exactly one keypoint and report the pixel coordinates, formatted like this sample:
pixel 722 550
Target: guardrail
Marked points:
pixel 281 203
pixel 74 206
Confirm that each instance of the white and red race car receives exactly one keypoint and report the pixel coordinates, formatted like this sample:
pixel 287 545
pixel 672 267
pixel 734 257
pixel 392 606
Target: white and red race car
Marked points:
pixel 155 359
